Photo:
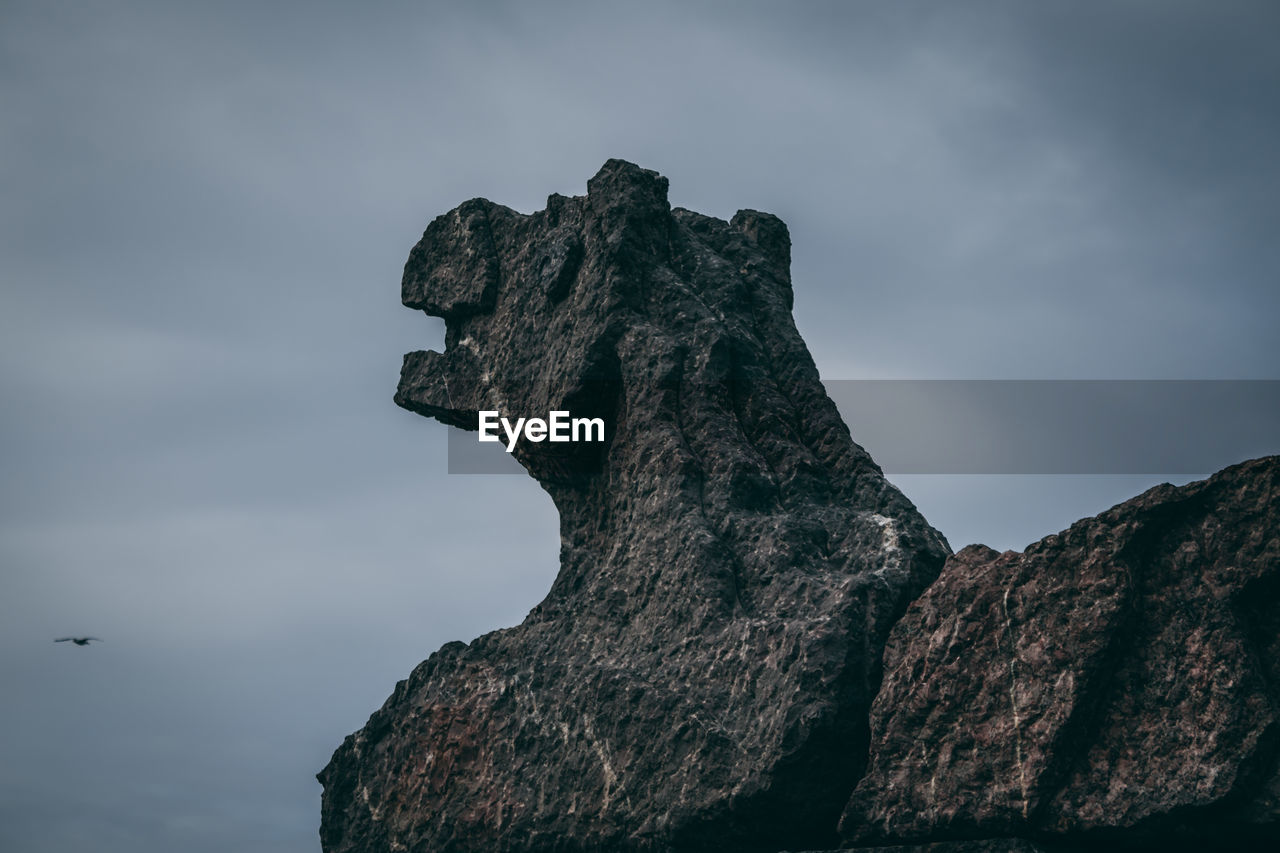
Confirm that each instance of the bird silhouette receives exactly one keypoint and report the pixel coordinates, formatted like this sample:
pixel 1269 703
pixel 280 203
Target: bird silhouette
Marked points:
pixel 79 641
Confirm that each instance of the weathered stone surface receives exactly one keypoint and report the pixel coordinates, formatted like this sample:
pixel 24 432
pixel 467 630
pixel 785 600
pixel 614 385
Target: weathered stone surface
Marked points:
pixel 1120 679
pixel 699 675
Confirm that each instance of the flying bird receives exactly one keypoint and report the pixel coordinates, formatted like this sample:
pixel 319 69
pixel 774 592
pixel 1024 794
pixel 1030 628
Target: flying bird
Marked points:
pixel 79 641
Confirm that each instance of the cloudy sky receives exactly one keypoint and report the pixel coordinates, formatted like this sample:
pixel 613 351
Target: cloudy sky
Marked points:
pixel 205 212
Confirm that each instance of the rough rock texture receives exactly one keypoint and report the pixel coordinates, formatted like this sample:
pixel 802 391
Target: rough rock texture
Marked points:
pixel 1118 681
pixel 699 676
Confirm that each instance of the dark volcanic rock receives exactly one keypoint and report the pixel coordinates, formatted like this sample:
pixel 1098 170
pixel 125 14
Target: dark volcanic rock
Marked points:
pixel 699 676
pixel 1120 680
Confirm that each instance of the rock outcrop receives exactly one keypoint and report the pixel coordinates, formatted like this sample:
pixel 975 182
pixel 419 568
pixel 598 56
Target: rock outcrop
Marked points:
pixel 1117 682
pixel 700 674
pixel 738 583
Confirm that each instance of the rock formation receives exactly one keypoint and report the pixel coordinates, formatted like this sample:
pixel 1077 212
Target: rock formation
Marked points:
pixel 735 569
pixel 1118 681
pixel 699 675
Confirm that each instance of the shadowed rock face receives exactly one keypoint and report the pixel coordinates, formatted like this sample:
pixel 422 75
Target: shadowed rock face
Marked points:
pixel 1119 680
pixel 699 675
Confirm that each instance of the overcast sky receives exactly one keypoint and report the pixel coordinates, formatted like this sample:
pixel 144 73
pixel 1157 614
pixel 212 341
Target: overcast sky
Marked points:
pixel 205 212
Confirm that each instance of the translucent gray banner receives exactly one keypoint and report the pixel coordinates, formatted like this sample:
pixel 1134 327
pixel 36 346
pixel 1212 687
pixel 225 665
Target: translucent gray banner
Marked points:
pixel 1167 427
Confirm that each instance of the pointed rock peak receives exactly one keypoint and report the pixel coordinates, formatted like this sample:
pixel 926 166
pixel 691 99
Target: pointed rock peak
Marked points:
pixel 621 181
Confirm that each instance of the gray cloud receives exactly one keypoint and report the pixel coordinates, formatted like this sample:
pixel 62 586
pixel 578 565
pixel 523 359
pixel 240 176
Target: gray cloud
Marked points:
pixel 204 217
